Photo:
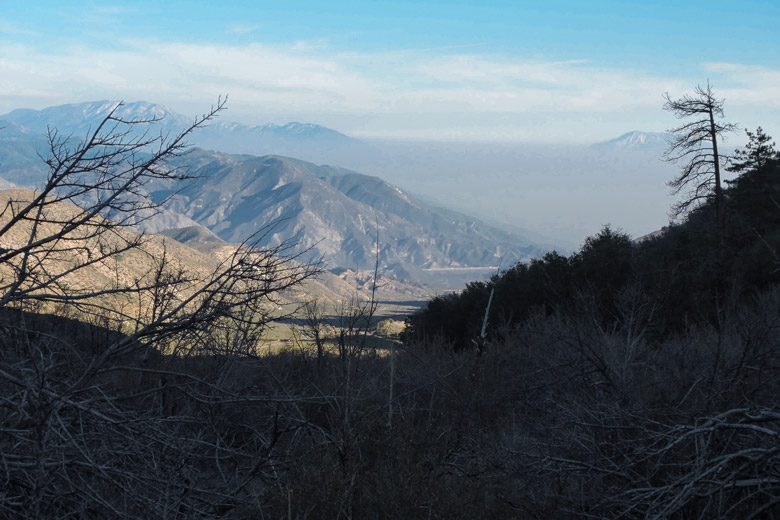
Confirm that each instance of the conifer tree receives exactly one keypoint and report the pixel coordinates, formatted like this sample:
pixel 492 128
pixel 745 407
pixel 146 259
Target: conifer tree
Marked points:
pixel 759 149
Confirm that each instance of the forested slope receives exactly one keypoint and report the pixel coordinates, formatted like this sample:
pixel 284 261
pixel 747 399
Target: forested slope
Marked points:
pixel 642 375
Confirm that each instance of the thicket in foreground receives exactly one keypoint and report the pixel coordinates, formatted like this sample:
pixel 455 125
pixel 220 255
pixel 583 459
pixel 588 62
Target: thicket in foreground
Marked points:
pixel 128 410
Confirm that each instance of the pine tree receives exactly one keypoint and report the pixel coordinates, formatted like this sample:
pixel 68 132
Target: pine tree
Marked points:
pixel 759 149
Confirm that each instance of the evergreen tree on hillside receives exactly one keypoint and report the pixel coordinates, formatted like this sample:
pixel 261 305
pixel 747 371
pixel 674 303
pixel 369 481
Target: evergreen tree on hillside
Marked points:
pixel 754 196
pixel 754 213
pixel 602 268
pixel 759 149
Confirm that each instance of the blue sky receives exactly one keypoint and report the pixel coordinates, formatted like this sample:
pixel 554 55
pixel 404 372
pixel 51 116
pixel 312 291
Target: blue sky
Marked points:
pixel 549 71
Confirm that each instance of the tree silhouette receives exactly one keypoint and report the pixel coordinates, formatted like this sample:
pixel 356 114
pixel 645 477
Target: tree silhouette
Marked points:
pixel 759 149
pixel 695 144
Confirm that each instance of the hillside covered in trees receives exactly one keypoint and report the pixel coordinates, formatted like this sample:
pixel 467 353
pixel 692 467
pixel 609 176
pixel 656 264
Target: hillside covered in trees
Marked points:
pixel 681 272
pixel 640 375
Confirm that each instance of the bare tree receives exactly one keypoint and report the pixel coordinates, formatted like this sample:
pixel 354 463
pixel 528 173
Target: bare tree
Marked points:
pixel 97 418
pixel 102 175
pixel 695 144
pixel 78 221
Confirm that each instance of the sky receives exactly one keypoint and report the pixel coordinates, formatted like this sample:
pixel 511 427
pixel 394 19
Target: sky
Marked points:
pixel 495 71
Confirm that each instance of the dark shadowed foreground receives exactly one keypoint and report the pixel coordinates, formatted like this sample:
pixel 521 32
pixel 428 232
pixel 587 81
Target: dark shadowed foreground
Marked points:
pixel 558 417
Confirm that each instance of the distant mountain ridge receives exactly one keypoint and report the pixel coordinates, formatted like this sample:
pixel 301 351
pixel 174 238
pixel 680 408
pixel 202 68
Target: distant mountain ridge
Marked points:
pixel 80 116
pixel 637 140
pixel 305 140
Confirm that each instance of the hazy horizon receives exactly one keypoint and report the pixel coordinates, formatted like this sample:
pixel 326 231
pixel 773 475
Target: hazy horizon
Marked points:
pixel 554 194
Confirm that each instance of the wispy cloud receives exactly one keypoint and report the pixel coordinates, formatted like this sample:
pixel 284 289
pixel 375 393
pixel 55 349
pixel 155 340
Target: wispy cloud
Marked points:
pixel 441 48
pixel 747 84
pixel 309 45
pixel 101 14
pixel 16 30
pixel 244 28
pixel 413 91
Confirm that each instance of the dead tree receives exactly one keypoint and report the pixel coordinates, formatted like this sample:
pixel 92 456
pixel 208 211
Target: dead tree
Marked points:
pixel 101 420
pixel 695 144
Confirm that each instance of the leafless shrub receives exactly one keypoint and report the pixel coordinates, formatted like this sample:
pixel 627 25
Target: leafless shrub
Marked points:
pixel 141 409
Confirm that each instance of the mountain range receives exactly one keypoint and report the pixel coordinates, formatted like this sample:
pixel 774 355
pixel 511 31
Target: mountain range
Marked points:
pixel 329 212
pixel 305 141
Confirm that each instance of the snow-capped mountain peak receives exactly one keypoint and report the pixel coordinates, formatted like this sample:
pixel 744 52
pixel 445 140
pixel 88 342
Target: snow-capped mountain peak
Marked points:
pixel 637 140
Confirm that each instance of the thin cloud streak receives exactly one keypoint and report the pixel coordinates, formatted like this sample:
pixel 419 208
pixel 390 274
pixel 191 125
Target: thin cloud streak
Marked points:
pixel 16 30
pixel 243 28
